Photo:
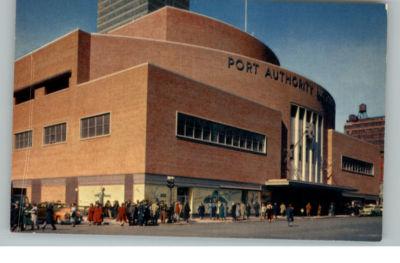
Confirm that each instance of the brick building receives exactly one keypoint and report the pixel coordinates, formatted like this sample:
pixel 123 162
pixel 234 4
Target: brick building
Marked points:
pixel 175 93
pixel 370 129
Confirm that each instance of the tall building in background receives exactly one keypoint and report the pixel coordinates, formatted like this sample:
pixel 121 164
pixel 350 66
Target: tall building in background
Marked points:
pixel 369 129
pixel 114 13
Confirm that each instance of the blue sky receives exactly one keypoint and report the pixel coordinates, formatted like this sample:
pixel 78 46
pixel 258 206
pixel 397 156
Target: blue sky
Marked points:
pixel 340 46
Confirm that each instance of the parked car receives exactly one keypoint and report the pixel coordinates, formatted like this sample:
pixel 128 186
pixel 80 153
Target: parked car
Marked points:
pixel 371 210
pixel 62 213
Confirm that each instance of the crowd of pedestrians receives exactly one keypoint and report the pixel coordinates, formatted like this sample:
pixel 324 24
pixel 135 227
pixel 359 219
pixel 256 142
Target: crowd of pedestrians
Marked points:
pixel 24 215
pixel 141 213
pixel 144 213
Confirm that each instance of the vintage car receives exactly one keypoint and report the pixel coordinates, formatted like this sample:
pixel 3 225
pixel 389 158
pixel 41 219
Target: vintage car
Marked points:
pixel 371 210
pixel 62 213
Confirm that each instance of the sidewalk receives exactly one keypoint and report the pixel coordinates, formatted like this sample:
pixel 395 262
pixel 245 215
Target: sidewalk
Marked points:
pixel 208 220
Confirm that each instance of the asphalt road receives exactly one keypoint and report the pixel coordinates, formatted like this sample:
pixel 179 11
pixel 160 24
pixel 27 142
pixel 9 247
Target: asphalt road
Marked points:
pixel 337 228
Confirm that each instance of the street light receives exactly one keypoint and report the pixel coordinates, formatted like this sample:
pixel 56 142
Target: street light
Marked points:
pixel 170 185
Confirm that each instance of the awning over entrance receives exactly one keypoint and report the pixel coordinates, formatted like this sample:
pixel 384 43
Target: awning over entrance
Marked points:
pixel 362 196
pixel 274 183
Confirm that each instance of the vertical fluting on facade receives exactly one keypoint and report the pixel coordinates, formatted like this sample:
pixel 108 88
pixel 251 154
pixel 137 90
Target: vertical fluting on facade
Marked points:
pixel 306 145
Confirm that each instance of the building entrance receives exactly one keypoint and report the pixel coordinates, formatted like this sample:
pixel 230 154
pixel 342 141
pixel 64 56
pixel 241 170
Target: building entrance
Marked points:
pixel 183 194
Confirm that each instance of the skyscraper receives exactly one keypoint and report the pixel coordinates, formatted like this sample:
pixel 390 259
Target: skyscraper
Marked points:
pixel 114 13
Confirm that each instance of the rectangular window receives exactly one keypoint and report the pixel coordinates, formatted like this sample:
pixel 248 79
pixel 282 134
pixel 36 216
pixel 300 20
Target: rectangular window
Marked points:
pixel 23 140
pixel 55 133
pixel 356 166
pixel 199 129
pixel 95 126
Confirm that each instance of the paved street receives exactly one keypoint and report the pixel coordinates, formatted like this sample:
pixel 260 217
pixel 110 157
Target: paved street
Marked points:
pixel 338 228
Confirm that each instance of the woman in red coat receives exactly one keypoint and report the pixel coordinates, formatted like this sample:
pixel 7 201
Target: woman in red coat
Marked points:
pixel 122 214
pixel 90 214
pixel 98 214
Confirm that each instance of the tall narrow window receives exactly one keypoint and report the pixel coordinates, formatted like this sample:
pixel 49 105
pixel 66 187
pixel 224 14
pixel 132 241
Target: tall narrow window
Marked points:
pixel 95 126
pixel 55 133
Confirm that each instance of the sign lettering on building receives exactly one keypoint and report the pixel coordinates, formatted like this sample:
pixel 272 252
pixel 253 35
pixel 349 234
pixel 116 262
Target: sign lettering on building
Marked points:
pixel 284 77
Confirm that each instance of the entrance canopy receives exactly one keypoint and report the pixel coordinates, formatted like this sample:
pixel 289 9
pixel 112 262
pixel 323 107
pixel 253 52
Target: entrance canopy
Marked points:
pixel 361 196
pixel 274 183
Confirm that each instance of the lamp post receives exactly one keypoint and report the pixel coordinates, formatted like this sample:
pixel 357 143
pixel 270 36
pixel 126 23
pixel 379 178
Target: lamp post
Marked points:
pixel 170 185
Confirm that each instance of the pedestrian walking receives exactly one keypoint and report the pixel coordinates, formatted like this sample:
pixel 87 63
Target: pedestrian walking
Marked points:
pixel 243 210
pixel 163 212
pixel 27 215
pixel 108 209
pixel 217 210
pixel 177 212
pixel 114 210
pixel 49 217
pixel 237 211
pixel 308 209
pixel 233 212
pixel 155 213
pixel 74 215
pixel 121 217
pixel 290 215
pixel 270 212
pixel 90 214
pixel 133 217
pixel 222 212
pixel 98 214
pixel 14 218
pixel 213 210
pixel 332 209
pixel 263 212
pixel 201 210
pixel 34 216
pixel 283 209
pixel 248 210
pixel 186 212
pixel 276 210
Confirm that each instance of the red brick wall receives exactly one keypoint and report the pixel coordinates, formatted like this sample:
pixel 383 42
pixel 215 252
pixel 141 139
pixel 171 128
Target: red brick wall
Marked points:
pixel 343 145
pixel 178 25
pixel 123 95
pixel 55 58
pixel 165 154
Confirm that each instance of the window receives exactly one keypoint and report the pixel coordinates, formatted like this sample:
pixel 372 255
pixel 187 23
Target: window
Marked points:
pixel 357 166
pixel 198 129
pixel 23 140
pixel 24 95
pixel 52 84
pixel 55 133
pixel 57 83
pixel 95 126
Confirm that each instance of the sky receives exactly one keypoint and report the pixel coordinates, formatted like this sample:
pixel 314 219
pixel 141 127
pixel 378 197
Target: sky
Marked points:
pixel 340 46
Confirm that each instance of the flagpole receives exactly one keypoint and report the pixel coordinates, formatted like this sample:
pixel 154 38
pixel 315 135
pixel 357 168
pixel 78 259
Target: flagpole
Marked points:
pixel 245 15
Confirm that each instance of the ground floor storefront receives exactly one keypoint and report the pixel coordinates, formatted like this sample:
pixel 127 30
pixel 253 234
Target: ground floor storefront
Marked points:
pixel 137 187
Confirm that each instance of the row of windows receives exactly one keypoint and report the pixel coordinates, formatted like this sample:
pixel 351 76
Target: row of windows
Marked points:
pixel 357 166
pixel 51 85
pixel 90 127
pixel 216 133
